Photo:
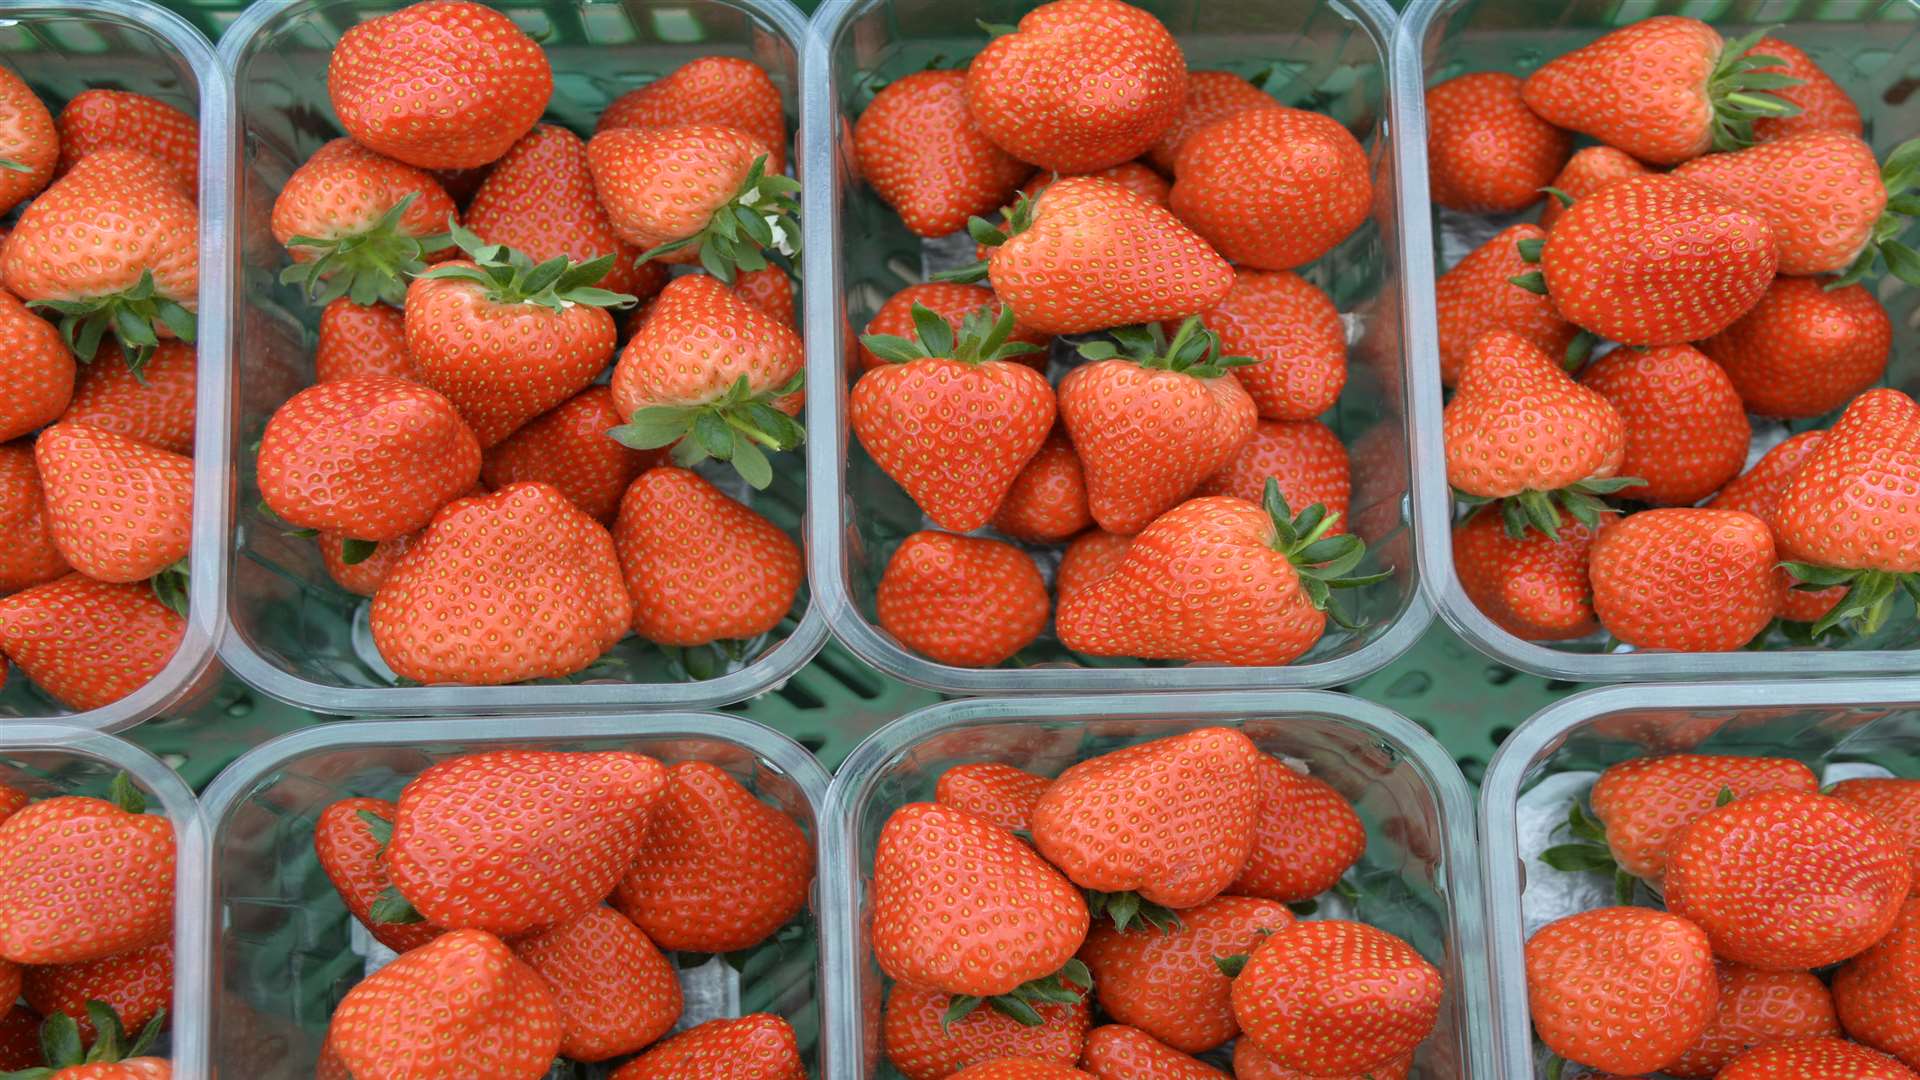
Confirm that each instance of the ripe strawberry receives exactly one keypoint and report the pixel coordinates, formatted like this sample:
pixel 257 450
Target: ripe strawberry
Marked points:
pixel 926 158
pixel 614 991
pixel 1623 989
pixel 1786 880
pixel 770 290
pixel 20 1038
pixel 1332 997
pixel 349 839
pixel 28 140
pixel 370 458
pixel 1532 586
pixel 539 199
pixel 1587 171
pixel 1895 803
pixel 1805 350
pixel 568 447
pixel 720 871
pixel 1117 1052
pixel 1819 190
pixel 1687 579
pixel 1079 85
pixel 138 985
pixel 1000 793
pixel 119 510
pixel 1173 984
pixel 699 566
pixel 1656 260
pixel 37 367
pixel 962 600
pixel 1823 105
pixel 98 119
pixel 358 224
pixel 1827 1059
pixel 694 192
pixel 952 302
pixel 445 84
pixel 1273 188
pixel 1305 836
pixel 365 575
pixel 1132 175
pixel 1643 803
pixel 1477 296
pixel 83 879
pixel 962 906
pixel 155 406
pixel 1089 558
pixel 925 1043
pixel 27 554
pixel 1687 431
pixel 1047 502
pixel 86 642
pixel 1758 491
pixel 723 90
pixel 1021 1068
pixel 1757 1008
pixel 1211 95
pixel 1877 993
pixel 760 1046
pixel 357 340
pixel 1487 152
pixel 1304 457
pixel 1293 332
pixel 563 826
pixel 509 586
pixel 462 1005
pixel 1252 1063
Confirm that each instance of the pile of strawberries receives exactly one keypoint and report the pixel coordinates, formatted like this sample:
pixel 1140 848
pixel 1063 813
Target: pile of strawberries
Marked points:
pixel 1724 235
pixel 458 459
pixel 1790 938
pixel 532 897
pixel 1201 502
pixel 1151 885
pixel 99 280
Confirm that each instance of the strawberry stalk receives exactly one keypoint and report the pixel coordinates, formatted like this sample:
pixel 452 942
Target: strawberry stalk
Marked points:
pixel 132 315
pixel 1542 509
pixel 739 427
pixel 1900 176
pixel 1869 598
pixel 1325 563
pixel 1066 987
pixel 1019 218
pixel 512 277
pixel 761 216
pixel 61 1048
pixel 982 337
pixel 1740 94
pixel 371 266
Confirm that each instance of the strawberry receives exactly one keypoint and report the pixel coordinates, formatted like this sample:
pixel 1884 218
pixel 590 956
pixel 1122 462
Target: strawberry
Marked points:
pixel 1687 431
pixel 119 510
pixel 20 1038
pixel 1090 557
pixel 504 587
pixel 1642 803
pixel 372 458
pixel 694 192
pixel 1117 1052
pixel 1332 997
pixel 29 142
pixel 1788 880
pixel 27 554
pixel 1000 793
pixel 1047 502
pixel 562 826
pixel 349 839
pixel 952 302
pixel 614 990
pixel 12 801
pixel 568 447
pixel 1687 579
pixel 1476 297
pixel 1306 835
pixel 925 157
pixel 357 340
pixel 966 601
pixel 1805 350
pixel 1487 152
pixel 1623 989
pixel 720 871
pixel 710 366
pixel 1293 332
pixel 1273 188
pixel 539 199
pixel 1078 85
pixel 1896 803
pixel 1758 491
pixel 84 879
pixel 760 1046
pixel 1132 175
pixel 359 225
pixel 1823 105
pixel 1877 994
pixel 462 1005
pixel 38 369
pixel 925 1043
pixel 699 566
pixel 770 290
pixel 1826 1058
pixel 1173 984
pixel 1304 457
pixel 1211 95
pixel 1587 171
pixel 88 643
pixel 138 985
pixel 1532 586
pixel 1252 1063
pixel 1656 260
pixel 98 119
pixel 723 90
pixel 921 416
pixel 369 570
pixel 1757 1008
pixel 154 406
pixel 444 84
pixel 1021 1068
pixel 76 252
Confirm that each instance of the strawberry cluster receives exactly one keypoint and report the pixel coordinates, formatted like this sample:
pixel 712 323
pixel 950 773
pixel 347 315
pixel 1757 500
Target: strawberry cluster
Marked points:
pixel 1789 938
pixel 99 281
pixel 459 458
pixel 1150 225
pixel 1714 253
pixel 546 893
pixel 1149 887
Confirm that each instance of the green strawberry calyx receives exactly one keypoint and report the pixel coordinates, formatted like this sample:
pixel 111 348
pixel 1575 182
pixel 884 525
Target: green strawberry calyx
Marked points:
pixel 738 427
pixel 1900 176
pixel 1019 218
pixel 171 585
pixel 62 1049
pixel 761 217
pixel 1194 349
pixel 134 315
pixel 1588 853
pixel 1068 986
pixel 14 166
pixel 1542 510
pixel 369 267
pixel 1129 910
pixel 982 338
pixel 1324 562
pixel 510 276
pixel 1741 93
pixel 124 795
pixel 1869 599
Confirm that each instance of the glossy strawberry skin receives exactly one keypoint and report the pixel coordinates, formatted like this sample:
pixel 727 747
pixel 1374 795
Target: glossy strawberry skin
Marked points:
pixel 1047 502
pixel 952 302
pixel 1518 423
pixel 962 600
pixel 1211 95
pixel 539 199
pixel 1252 1063
pixel 1090 557
pixel 756 1047
pixel 82 880
pixel 71 244
pixel 136 984
pixel 614 990
pixel 119 510
pixel 1329 997
pixel 1292 328
pixel 708 90
pixel 698 340
pixel 1895 802
pixel 1587 171
pixel 1596 976
pixel 922 1048
pixel 1273 188
pixel 1117 1052
pixel 1304 456
pixel 1851 503
pixel 1477 296
pixel 1755 1008
pixel 88 643
pixel 1306 836
pixel 1820 190
pixel 1022 1068
pixel 1487 152
pixel 1132 175
pixel 155 407
pixel 1826 1058
pixel 924 155
pixel 1687 431
pixel 1641 88
pixel 344 188
pixel 1824 106
pixel 1533 587
pixel 1000 793
pixel 1687 579
pixel 660 185
pixel 1167 984
pixel 28 556
pixel 365 577
pixel 100 119
pixel 39 370
pixel 1877 994
pixel 1757 491
pixel 568 447
pixel 27 137
pixel 351 858
pixel 1804 351
pixel 1645 802
pixel 357 340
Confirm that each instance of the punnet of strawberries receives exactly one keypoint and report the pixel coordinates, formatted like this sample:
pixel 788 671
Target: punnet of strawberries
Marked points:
pixel 1667 427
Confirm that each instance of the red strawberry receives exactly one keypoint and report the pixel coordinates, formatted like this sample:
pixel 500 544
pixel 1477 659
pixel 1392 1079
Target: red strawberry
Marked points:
pixel 1172 984
pixel 1827 1059
pixel 539 199
pixel 1805 350
pixel 925 157
pixel 462 1005
pixel 358 224
pixel 563 827
pixel 1079 85
pixel 1644 802
pixel 1687 432
pixel 364 576
pixel 371 458
pixel 20 1038
pixel 1304 456
pixel 1787 880
pixel 1294 333
pixel 1000 793
pixel 1021 1068
pixel 28 139
pixel 138 985
pixel 1089 558
pixel 720 871
pixel 952 302
pixel 1877 994
pixel 1211 95
pixel 1047 502
pixel 1273 188
pixel 1687 579
pixel 724 90
pixel 154 406
pixel 1896 803
pixel 98 119
pixel 504 587
pixel 1487 152
pixel 444 84
pixel 770 290
pixel 1758 491
pixel 356 341
pixel 614 991
pixel 1757 1008
pixel 756 1047
pixel 962 600
pixel 1117 1052
pixel 1135 177
pixel 1622 989
pixel 1532 586
pixel 568 447
pixel 1587 171
pixel 1332 997
pixel 27 553
pixel 1305 837
pixel 924 1043
pixel 686 193
pixel 1819 190
pixel 1252 1063
pixel 349 839
pixel 1656 260
pixel 1823 105
pixel 84 879
pixel 12 801
pixel 119 510
pixel 1477 296
pixel 38 369
pixel 86 642
pixel 962 906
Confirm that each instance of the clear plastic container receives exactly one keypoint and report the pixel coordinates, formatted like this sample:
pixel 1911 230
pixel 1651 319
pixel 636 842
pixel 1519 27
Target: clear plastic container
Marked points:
pixel 278 943
pixel 1332 57
pixel 1865 46
pixel 45 760
pixel 293 633
pixel 61 49
pixel 1419 877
